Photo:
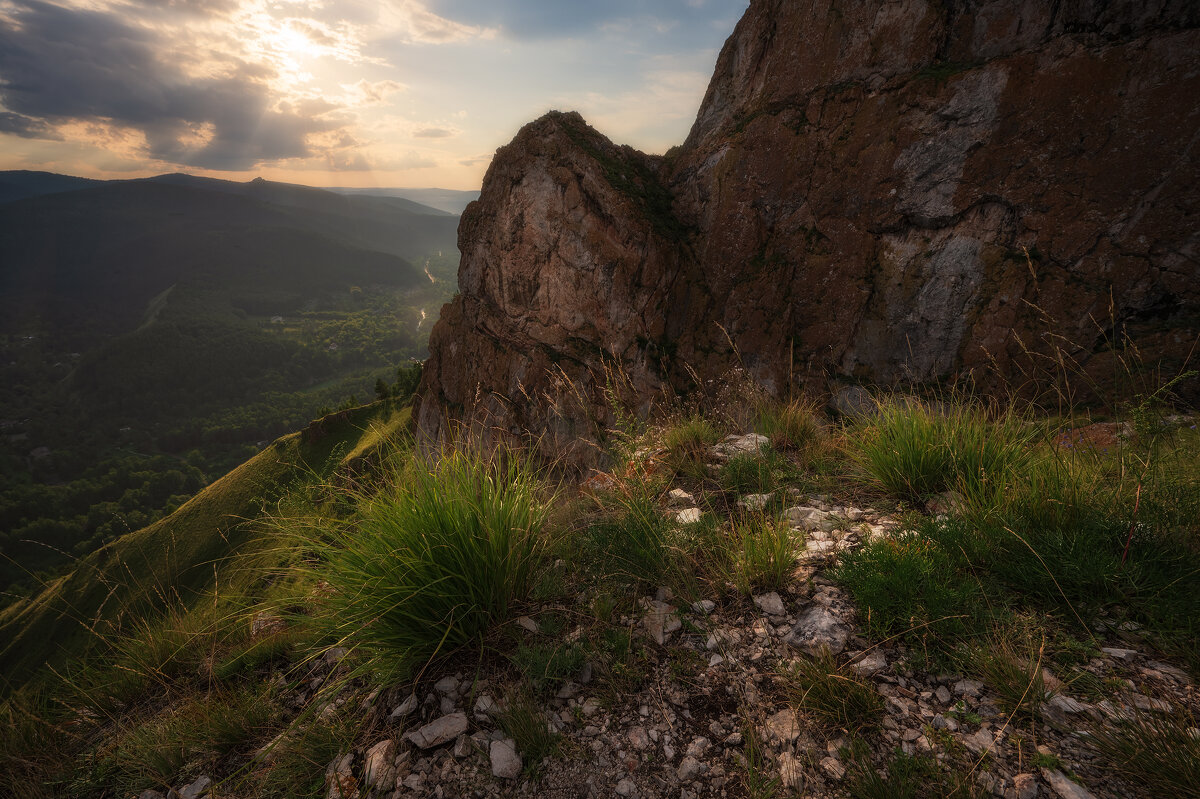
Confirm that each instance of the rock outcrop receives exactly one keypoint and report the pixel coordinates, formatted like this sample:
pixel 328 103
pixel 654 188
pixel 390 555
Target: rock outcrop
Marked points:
pixel 900 191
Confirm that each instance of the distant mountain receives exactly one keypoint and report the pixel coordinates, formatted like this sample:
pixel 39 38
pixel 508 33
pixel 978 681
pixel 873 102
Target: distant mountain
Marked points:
pixel 154 331
pixel 448 200
pixel 92 258
pixel 17 185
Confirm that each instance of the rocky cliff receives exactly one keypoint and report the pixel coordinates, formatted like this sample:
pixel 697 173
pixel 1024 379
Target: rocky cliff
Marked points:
pixel 879 191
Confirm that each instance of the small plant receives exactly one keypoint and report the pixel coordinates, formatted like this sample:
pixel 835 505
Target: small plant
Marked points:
pixel 1015 674
pixel 960 713
pixel 623 662
pixel 525 722
pixel 764 559
pixel 747 474
pixel 902 777
pixel 757 779
pixel 837 697
pixel 632 541
pixel 1046 760
pixel 549 665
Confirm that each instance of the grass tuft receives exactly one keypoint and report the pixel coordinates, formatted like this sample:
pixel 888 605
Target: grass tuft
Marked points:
pixel 1159 750
pixel 837 697
pixel 688 441
pixel 790 426
pixel 914 450
pixel 764 555
pixel 435 560
pixel 524 721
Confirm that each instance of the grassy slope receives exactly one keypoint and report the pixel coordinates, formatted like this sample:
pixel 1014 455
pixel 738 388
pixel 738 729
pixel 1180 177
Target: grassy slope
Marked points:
pixel 181 555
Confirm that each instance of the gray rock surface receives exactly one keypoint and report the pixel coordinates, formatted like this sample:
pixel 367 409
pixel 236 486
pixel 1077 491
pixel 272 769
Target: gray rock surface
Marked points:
pixel 439 731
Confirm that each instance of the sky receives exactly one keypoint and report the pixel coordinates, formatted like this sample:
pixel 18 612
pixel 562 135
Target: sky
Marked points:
pixel 403 93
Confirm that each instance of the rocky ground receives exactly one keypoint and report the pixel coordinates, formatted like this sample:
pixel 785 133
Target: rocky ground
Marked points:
pixel 714 712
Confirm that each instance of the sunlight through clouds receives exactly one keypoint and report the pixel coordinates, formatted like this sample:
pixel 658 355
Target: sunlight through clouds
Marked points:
pixel 275 87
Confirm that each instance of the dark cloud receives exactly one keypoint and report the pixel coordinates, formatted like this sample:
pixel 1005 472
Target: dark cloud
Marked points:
pixel 199 8
pixel 25 127
pixel 549 18
pixel 59 64
pixel 433 133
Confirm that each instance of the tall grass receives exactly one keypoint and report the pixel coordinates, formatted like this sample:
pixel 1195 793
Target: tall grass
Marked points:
pixel 791 426
pixel 1159 750
pixel 1075 534
pixel 914 450
pixel 763 555
pixel 443 553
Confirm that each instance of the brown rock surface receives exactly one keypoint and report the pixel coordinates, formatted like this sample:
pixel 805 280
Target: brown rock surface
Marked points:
pixel 881 191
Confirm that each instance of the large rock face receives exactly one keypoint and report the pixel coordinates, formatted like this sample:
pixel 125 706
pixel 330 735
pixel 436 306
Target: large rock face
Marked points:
pixel 883 191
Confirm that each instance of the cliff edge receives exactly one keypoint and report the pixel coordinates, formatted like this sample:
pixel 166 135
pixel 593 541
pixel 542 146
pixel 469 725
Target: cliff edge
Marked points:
pixel 883 192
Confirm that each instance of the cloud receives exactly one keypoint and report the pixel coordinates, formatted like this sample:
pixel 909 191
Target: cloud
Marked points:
pixel 367 93
pixel 59 65
pixel 476 160
pixel 433 133
pixel 554 18
pixel 26 127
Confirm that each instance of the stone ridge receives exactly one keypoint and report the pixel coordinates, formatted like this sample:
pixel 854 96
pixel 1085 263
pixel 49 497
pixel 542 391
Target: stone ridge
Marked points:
pixel 883 192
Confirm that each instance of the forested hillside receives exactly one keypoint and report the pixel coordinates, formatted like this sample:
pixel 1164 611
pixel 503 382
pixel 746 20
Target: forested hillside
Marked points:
pixel 155 333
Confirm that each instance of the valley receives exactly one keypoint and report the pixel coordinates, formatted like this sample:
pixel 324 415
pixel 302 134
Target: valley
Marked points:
pixel 156 333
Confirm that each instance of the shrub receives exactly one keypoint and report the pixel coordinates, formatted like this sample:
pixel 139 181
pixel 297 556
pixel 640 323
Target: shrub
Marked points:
pixel 435 560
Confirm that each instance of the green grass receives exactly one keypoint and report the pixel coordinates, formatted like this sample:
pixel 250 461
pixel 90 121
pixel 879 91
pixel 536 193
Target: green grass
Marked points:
pixel 1013 671
pixel 525 722
pixel 630 541
pixel 1073 534
pixel 177 559
pixel 791 426
pixel 914 450
pixel 433 561
pixel 836 697
pixel 199 735
pixel 903 777
pixel 757 779
pixel 299 759
pixel 547 665
pixel 763 555
pixel 909 585
pixel 756 474
pixel 689 441
pixel 1158 750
